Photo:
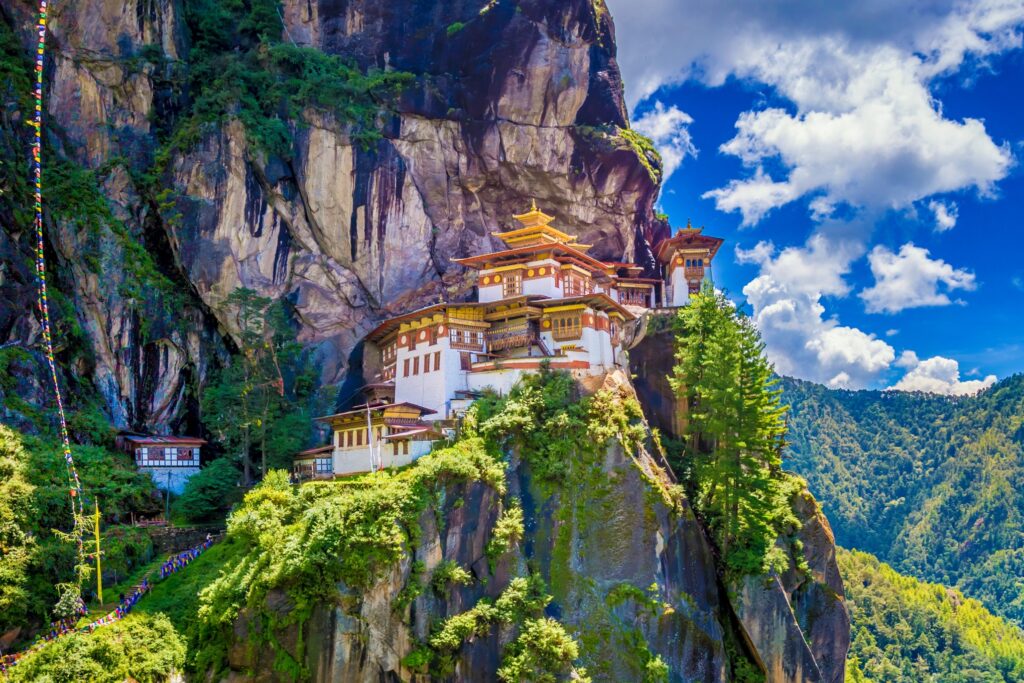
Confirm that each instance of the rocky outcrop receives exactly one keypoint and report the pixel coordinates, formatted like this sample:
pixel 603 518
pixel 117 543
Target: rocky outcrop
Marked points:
pixel 796 624
pixel 629 568
pixel 509 102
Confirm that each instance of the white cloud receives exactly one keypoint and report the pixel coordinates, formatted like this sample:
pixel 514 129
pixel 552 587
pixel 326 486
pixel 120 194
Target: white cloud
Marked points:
pixel 939 375
pixel 911 279
pixel 945 214
pixel 864 128
pixel 892 332
pixel 759 253
pixel 668 129
pixel 907 359
pixel 786 300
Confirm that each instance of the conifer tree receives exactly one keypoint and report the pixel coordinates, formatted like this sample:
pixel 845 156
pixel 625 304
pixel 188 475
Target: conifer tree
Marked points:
pixel 260 403
pixel 734 430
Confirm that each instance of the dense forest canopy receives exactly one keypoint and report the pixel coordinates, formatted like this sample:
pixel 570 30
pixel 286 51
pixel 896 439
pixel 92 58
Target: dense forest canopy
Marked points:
pixel 925 482
pixel 909 631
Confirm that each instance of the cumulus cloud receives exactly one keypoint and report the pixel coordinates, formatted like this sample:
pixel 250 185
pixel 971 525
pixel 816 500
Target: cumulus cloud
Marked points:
pixel 911 279
pixel 864 128
pixel 939 375
pixel 786 298
pixel 945 214
pixel 668 129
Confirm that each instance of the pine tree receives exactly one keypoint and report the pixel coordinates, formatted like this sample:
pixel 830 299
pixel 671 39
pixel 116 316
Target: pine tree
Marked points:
pixel 734 430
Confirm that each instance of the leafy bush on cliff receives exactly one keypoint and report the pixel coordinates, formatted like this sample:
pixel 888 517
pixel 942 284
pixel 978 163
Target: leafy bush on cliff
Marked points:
pixel 906 631
pixel 925 482
pixel 140 648
pixel 239 67
pixel 209 493
pixel 306 540
pixel 259 406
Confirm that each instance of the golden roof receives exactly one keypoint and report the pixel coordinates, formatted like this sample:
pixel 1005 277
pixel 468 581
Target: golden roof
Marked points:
pixel 536 229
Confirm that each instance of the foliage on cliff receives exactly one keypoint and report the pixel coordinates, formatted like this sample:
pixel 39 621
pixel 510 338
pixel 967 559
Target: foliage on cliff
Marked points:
pixel 34 502
pixel 906 631
pixel 259 405
pixel 925 482
pixel 306 540
pixel 731 462
pixel 240 67
pixel 139 648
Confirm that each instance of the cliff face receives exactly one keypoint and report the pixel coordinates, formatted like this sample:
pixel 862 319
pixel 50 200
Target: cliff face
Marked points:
pixel 508 102
pixel 627 564
pixel 796 623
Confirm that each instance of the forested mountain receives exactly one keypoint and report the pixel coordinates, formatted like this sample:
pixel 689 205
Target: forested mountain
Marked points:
pixel 909 631
pixel 929 484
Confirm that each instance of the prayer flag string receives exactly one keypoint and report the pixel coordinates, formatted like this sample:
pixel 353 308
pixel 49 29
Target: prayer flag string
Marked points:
pixel 63 627
pixel 74 484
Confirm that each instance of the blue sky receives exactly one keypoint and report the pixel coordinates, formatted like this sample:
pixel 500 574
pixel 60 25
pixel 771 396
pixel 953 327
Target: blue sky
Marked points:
pixel 863 162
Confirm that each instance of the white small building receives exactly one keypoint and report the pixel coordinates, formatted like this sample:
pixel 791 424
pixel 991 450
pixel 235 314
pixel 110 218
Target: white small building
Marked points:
pixel 373 436
pixel 169 460
pixel 686 260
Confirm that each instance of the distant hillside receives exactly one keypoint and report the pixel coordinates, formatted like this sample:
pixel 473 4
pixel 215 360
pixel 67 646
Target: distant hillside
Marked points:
pixel 929 484
pixel 908 631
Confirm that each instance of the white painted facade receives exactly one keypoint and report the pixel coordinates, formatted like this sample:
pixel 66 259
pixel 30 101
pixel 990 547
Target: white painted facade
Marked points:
pixel 348 461
pixel 170 478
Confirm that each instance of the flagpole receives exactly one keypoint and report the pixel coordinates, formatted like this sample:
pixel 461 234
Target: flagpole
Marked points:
pixel 99 572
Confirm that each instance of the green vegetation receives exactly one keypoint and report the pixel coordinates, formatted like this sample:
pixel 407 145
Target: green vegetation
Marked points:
pixel 542 653
pixel 34 502
pixel 140 648
pixel 239 67
pixel 508 531
pixel 455 28
pixel 552 426
pixel 307 540
pixel 209 493
pixel 924 482
pixel 906 631
pixel 731 464
pixel 260 404
pixel 645 151
pixel 449 574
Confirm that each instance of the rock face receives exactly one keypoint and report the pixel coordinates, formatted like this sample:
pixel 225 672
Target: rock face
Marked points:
pixel 631 573
pixel 510 101
pixel 796 624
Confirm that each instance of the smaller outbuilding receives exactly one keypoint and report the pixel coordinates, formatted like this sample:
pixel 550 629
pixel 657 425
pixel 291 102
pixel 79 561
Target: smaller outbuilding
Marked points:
pixel 170 460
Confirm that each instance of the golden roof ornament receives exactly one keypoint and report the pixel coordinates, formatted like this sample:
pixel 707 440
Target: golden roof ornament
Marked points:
pixel 534 217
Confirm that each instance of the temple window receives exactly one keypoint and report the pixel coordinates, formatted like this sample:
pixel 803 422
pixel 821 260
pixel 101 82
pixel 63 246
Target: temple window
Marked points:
pixel 512 285
pixel 416 365
pixel 437 360
pixel 567 327
pixel 426 363
pixel 405 368
pixel 405 447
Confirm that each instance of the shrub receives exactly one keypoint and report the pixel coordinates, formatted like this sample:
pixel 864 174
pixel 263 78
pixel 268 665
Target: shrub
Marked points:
pixel 209 493
pixel 144 648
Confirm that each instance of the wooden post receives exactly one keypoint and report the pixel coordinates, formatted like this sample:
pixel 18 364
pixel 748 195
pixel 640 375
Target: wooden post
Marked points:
pixel 99 569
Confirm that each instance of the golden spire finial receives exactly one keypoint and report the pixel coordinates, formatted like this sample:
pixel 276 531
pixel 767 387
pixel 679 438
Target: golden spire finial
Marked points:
pixel 689 226
pixel 533 203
